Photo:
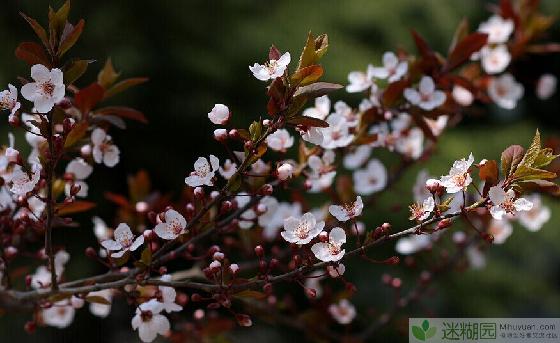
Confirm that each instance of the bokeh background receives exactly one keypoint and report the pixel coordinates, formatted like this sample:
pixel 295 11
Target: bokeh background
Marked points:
pixel 196 53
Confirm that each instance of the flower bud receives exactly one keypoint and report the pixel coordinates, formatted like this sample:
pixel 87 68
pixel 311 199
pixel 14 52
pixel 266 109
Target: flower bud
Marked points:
pixel 90 252
pixel 215 266
pixel 266 189
pixel 30 327
pixel 396 283
pixel 259 251
pixel 233 134
pixel 199 192
pixel 142 206
pixel 435 187
pixel 310 293
pixel 243 320
pixel 267 288
pixel 218 256
pixel 233 268
pixel 285 171
pixel 85 150
pixel 323 236
pixel 221 135
pixel 10 252
pixel 444 224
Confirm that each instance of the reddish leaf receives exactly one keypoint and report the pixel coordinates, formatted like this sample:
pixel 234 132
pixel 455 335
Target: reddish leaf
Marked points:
pixel 123 112
pixel 78 132
pixel 465 48
pixel 32 53
pixel 71 37
pixel 317 89
pixel 75 207
pixel 117 199
pixel 107 76
pixel 274 53
pixel 39 30
pixel 393 92
pixel 308 121
pixel 489 173
pixel 124 85
pixel 75 70
pixel 88 97
pixel 308 75
pixel 511 158
pixel 508 12
pixel 422 46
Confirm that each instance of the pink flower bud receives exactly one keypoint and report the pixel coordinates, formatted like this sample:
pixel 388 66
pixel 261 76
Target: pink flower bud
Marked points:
pixel 142 207
pixel 259 251
pixel 266 189
pixel 221 135
pixel 218 256
pixel 233 268
pixel 285 171
pixel 85 150
pixel 199 192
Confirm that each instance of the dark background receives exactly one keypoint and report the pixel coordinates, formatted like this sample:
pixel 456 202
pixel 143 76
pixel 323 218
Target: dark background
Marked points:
pixel 196 53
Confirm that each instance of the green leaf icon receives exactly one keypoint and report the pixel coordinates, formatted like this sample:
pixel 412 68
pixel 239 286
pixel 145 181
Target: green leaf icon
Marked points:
pixel 431 332
pixel 418 333
pixel 425 325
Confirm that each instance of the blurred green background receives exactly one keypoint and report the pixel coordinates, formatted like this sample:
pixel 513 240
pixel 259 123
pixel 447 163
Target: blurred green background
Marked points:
pixel 196 53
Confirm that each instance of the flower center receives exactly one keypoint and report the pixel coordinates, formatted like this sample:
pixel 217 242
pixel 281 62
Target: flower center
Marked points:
pixel 416 210
pixel 271 66
pixel 146 316
pixel 48 88
pixel 460 179
pixel 176 227
pixel 508 206
pixel 302 231
pixel 334 249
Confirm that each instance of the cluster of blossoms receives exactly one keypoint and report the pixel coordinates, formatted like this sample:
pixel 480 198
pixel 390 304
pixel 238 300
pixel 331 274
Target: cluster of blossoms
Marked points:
pixel 262 199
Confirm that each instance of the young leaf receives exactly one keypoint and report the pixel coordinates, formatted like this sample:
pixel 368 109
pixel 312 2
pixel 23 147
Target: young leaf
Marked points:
pixel 70 37
pixel 88 97
pixel 32 53
pixel 39 30
pixel 532 152
pixel 124 85
pixel 308 121
pixel 57 20
pixel 96 299
pixel 465 48
pixel 317 89
pixel 307 75
pixel 75 70
pixel 78 132
pixel 123 112
pixel 314 49
pixel 74 207
pixel 107 76
pixel 511 158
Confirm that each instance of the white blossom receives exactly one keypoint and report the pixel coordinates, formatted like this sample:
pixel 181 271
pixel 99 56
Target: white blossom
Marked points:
pixel 392 70
pixel 421 211
pixel 100 229
pixel 534 219
pixel 228 170
pixel 331 251
pixel 219 115
pixel 98 309
pixel 458 178
pixel 168 295
pixel 412 244
pixel 343 312
pixel 322 171
pixel 336 271
pixel 22 182
pixel 497 28
pixel 347 211
pixel 462 96
pixel 506 202
pixel 80 170
pixel 42 276
pixel 337 134
pixel 248 217
pixel 495 60
pixel 419 190
pixel 321 109
pixel 505 91
pixel 546 86
pixel 47 90
pixel 280 140
pixel 301 230
pixel 59 315
pixel 411 143
pixel 273 219
pixel 124 241
pixel 437 125
pixel 173 226
pixel 426 97
pixel 500 230
pixel 8 100
pixel 372 179
pixel 149 321
pixel 272 69
pixel 104 151
pixel 355 159
pixel 203 172
pixel 360 81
